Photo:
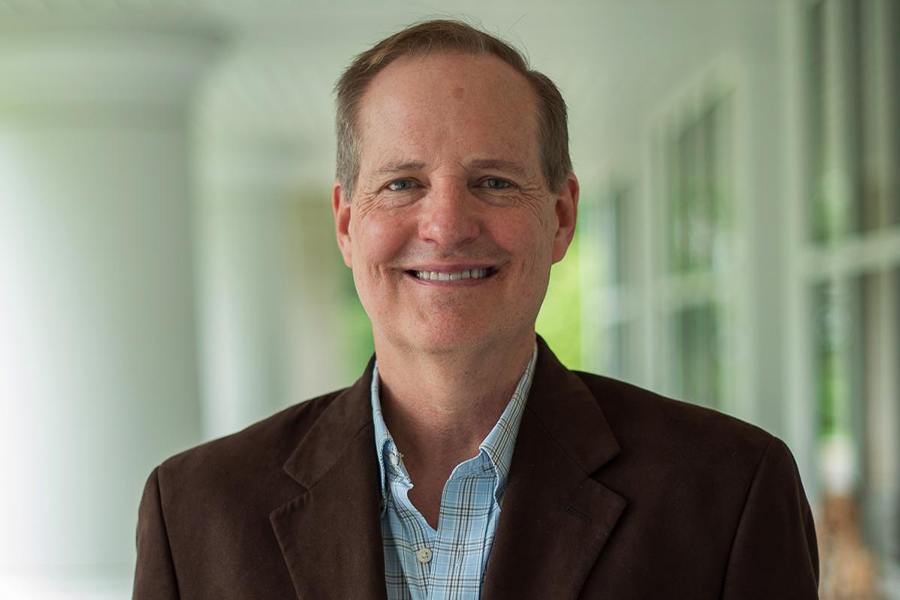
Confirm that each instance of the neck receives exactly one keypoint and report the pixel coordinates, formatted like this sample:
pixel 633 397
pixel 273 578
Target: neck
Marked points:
pixel 440 407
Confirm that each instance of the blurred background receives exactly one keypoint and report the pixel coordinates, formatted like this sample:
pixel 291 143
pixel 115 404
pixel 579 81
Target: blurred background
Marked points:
pixel 168 271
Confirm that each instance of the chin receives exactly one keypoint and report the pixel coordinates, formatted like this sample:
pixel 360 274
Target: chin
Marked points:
pixel 452 338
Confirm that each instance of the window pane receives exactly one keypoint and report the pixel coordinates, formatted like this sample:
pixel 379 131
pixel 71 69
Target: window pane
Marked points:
pixel 833 351
pixel 850 80
pixel 879 358
pixel 890 71
pixel 616 219
pixel 856 366
pixel 815 111
pixel 696 353
pixel 681 182
pixel 880 97
pixel 618 351
pixel 698 159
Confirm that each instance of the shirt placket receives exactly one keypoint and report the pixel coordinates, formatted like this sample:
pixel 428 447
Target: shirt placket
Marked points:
pixel 458 547
pixel 417 559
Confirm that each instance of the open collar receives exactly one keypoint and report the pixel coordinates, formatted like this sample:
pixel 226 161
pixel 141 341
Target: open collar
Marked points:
pixel 555 517
pixel 498 445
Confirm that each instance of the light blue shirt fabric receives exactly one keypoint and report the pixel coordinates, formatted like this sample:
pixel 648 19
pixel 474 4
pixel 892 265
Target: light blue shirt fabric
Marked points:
pixel 448 564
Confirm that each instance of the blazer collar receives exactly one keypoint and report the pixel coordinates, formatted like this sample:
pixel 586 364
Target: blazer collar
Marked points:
pixel 348 417
pixel 554 522
pixel 555 518
pixel 330 535
pixel 570 413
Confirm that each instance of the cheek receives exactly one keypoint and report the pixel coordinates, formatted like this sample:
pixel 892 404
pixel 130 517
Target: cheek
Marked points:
pixel 377 237
pixel 526 239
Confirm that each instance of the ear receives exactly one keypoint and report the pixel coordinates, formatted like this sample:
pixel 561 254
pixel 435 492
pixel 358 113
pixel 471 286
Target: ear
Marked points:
pixel 341 208
pixel 566 216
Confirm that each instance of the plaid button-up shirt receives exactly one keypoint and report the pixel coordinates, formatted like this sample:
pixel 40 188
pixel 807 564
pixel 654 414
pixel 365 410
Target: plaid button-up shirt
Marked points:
pixel 448 564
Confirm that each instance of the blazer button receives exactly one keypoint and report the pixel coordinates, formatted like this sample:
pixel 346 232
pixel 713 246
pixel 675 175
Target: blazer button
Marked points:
pixel 424 555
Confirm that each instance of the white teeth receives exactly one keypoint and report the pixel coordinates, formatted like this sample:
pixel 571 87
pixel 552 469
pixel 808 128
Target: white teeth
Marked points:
pixel 452 276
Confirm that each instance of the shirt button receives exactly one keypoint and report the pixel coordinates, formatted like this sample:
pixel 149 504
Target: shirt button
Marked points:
pixel 424 555
pixel 395 460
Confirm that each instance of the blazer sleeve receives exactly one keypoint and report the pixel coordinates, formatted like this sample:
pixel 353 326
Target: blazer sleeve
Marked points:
pixel 154 576
pixel 774 554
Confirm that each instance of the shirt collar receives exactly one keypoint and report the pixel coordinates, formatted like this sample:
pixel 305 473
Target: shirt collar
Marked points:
pixel 498 445
pixel 384 443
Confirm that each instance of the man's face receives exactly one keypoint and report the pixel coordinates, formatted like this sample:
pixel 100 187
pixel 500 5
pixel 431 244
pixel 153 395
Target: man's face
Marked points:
pixel 452 228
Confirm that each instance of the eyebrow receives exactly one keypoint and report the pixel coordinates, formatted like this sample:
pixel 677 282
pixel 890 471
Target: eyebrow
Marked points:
pixel 484 164
pixel 393 168
pixel 496 164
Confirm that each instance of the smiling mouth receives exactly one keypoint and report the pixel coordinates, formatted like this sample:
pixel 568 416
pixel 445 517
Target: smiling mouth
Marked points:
pixel 453 275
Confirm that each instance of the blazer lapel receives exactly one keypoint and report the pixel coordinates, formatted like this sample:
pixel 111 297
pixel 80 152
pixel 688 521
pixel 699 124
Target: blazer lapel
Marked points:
pixel 330 535
pixel 555 519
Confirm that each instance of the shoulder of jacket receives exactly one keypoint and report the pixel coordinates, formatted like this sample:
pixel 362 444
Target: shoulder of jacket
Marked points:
pixel 265 444
pixel 677 432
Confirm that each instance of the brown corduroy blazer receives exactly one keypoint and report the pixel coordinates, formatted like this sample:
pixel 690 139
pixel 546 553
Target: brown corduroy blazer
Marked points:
pixel 613 493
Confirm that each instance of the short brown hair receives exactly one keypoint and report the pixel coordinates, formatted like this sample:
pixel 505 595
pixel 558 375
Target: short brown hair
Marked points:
pixel 444 36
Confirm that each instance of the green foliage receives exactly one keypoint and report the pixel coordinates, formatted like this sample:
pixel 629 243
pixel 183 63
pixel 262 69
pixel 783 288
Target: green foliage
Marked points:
pixel 559 321
pixel 356 329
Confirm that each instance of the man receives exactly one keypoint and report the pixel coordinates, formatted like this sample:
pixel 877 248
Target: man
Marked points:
pixel 467 461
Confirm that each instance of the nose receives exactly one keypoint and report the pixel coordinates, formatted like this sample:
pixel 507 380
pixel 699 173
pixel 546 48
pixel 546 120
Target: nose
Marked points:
pixel 450 215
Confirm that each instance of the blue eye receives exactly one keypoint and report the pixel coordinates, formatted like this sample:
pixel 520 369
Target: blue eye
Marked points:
pixel 401 185
pixel 496 184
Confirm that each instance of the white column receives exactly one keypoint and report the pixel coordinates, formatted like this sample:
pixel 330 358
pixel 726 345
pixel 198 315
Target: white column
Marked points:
pixel 98 367
pixel 272 292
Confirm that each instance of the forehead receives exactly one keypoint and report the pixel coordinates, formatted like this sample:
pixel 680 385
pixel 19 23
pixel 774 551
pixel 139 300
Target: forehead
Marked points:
pixel 448 103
